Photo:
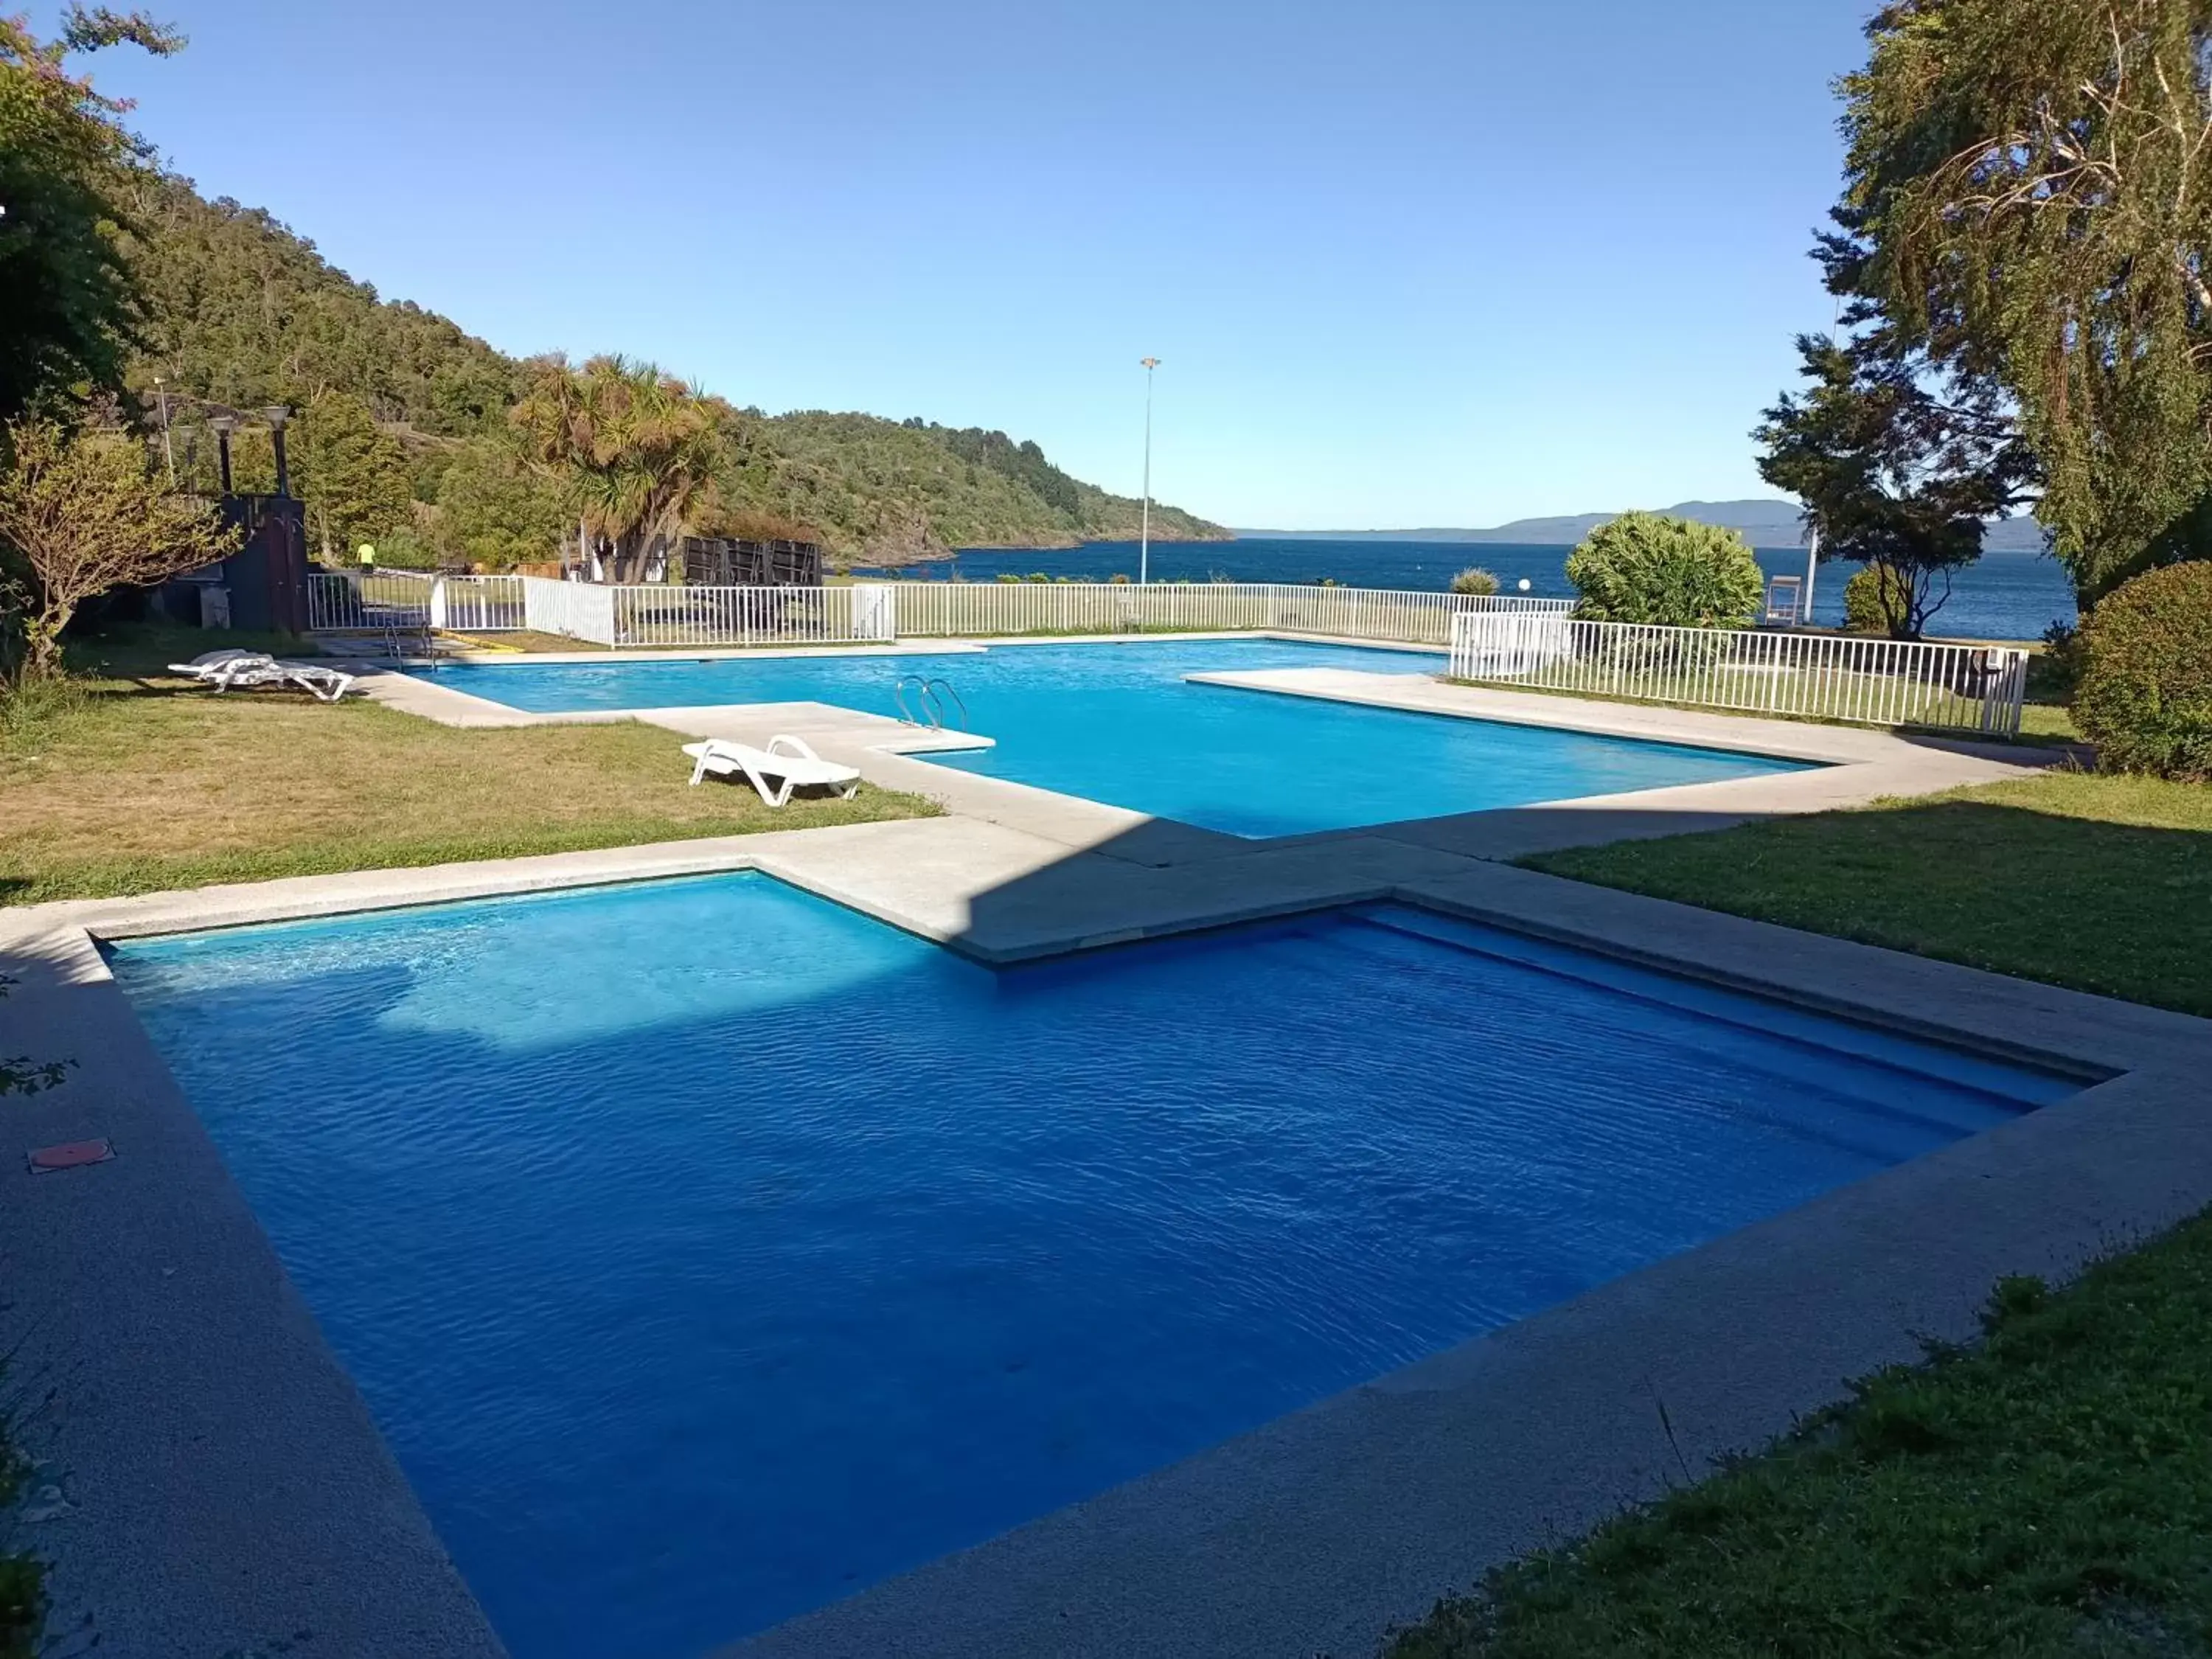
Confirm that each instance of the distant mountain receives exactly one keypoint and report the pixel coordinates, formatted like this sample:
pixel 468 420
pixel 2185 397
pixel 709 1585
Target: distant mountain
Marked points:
pixel 1773 523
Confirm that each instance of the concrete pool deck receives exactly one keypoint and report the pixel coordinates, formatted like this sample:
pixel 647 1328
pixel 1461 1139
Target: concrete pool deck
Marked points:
pixel 1854 765
pixel 217 1486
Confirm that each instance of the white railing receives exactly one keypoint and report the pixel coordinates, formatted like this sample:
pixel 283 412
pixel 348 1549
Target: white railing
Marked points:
pixel 676 614
pixel 376 599
pixel 1823 676
pixel 681 615
pixel 941 610
pixel 353 601
pixel 478 605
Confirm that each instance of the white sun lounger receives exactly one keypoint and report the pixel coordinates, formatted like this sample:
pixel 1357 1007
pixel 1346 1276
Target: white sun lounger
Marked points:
pixel 788 759
pixel 218 668
pixel 327 683
pixel 232 668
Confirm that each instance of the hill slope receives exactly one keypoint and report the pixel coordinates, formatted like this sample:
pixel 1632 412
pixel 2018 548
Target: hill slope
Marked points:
pixel 241 312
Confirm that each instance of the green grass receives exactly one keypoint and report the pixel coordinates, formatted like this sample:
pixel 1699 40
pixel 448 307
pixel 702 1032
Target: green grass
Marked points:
pixel 133 782
pixel 2047 1491
pixel 2102 883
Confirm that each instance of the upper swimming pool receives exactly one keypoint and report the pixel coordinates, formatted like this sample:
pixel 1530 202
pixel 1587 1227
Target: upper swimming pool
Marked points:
pixel 1119 723
pixel 706 1252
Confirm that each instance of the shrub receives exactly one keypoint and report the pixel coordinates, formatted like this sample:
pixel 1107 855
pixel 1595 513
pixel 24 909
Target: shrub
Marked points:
pixel 2055 671
pixel 2145 695
pixel 1648 568
pixel 1473 579
pixel 402 549
pixel 1873 599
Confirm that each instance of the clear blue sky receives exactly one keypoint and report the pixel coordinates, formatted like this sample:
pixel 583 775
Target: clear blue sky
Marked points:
pixel 1405 262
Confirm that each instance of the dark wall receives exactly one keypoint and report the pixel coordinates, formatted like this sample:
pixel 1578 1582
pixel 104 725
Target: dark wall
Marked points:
pixel 267 578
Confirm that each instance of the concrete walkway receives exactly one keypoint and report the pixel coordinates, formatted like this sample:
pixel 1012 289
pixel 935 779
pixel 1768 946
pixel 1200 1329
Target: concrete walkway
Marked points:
pixel 216 1485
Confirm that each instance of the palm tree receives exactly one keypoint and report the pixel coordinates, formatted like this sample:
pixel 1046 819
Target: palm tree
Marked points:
pixel 634 450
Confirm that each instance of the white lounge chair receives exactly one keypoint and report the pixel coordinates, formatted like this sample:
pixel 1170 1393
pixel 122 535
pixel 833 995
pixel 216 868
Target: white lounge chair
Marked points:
pixel 788 759
pixel 233 669
pixel 329 684
pixel 217 668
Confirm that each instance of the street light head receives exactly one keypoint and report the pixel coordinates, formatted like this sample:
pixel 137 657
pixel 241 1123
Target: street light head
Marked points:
pixel 276 415
pixel 1152 362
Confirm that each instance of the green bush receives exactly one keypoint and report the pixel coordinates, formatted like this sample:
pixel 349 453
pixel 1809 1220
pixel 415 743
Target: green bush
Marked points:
pixel 1648 568
pixel 1871 597
pixel 2145 693
pixel 1474 580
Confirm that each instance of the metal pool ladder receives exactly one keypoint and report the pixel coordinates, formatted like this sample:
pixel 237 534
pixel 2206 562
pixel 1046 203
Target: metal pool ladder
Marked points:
pixel 930 697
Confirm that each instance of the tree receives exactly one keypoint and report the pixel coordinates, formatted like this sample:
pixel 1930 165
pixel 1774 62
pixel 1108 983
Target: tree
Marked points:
pixel 495 511
pixel 1649 567
pixel 1899 469
pixel 2028 197
pixel 82 512
pixel 635 452
pixel 66 161
pixel 351 476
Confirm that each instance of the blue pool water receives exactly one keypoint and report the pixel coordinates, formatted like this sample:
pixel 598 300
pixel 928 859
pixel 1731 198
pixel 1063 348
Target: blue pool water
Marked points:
pixel 1118 723
pixel 707 1252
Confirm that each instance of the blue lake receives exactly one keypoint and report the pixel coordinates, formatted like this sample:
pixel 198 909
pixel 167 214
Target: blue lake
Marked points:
pixel 2006 595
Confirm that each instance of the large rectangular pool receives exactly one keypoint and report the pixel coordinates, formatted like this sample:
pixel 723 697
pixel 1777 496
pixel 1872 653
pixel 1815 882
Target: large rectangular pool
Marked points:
pixel 707 1252
pixel 1119 723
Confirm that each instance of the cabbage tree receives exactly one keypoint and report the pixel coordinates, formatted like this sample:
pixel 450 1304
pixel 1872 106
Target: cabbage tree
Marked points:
pixel 633 451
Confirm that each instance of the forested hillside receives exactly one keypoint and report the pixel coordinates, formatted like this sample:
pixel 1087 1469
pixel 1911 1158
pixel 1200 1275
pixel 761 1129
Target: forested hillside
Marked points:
pixel 403 436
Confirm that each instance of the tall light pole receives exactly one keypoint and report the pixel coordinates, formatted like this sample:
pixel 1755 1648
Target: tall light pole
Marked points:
pixel 168 451
pixel 1145 522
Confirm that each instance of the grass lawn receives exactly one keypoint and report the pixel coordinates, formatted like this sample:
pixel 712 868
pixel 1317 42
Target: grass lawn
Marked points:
pixel 2102 883
pixel 146 783
pixel 2048 1492
pixel 2045 1491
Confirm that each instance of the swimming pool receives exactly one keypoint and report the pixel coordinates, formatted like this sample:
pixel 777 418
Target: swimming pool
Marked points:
pixel 706 1252
pixel 1118 723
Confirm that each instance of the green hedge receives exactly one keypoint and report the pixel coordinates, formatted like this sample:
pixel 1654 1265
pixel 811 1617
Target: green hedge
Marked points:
pixel 1673 573
pixel 2145 695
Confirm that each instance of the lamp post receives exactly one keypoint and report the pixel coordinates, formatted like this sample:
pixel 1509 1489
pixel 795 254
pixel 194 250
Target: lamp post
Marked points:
pixel 276 415
pixel 168 452
pixel 1145 520
pixel 223 426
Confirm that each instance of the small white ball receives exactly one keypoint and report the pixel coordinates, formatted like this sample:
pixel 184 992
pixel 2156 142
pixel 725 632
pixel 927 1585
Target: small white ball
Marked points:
pixel 1524 584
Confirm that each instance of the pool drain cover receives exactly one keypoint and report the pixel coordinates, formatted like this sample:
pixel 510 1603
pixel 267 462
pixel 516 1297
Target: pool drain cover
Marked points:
pixel 70 1154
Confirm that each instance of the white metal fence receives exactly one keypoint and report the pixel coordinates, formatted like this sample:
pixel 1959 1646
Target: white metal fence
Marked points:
pixel 940 609
pixel 345 601
pixel 377 599
pixel 878 612
pixel 1827 677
